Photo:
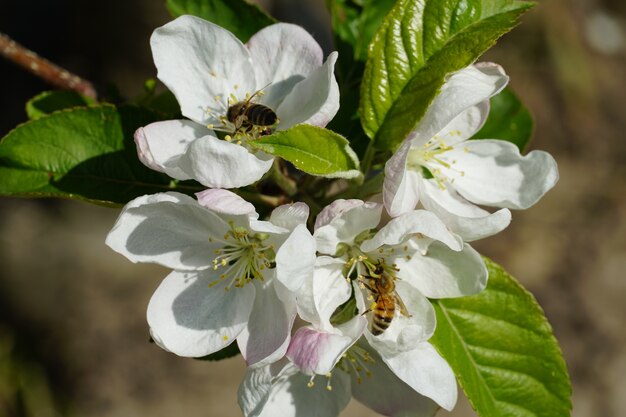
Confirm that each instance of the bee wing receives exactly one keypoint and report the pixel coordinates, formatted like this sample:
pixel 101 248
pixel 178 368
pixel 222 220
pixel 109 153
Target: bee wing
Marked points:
pixel 403 310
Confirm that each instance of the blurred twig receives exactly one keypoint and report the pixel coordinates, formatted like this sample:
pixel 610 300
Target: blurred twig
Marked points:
pixel 43 68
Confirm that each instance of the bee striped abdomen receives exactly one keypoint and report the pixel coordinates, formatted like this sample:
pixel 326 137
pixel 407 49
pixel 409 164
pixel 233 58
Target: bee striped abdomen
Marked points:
pixel 260 115
pixel 383 313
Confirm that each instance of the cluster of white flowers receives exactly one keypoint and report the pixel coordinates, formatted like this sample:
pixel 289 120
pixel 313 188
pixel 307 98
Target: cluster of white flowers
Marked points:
pixel 360 283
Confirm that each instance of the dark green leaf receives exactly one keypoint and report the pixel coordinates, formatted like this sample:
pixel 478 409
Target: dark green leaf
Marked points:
pixel 418 44
pixel 238 16
pixel 508 120
pixel 314 150
pixel 503 352
pixel 228 352
pixel 51 101
pixel 84 153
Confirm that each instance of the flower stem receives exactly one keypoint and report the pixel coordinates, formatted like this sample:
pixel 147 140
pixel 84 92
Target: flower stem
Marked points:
pixel 282 181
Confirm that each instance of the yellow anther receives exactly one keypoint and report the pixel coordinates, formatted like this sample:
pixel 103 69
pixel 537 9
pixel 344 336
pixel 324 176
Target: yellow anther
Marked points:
pixel 225 338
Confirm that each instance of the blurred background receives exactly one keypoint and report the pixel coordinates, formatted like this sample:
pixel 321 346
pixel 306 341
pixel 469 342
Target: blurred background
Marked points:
pixel 73 335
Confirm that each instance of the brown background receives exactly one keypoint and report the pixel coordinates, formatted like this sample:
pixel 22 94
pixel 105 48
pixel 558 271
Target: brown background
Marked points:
pixel 73 337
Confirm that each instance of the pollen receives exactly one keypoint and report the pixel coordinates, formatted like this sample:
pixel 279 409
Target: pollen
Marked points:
pixel 225 338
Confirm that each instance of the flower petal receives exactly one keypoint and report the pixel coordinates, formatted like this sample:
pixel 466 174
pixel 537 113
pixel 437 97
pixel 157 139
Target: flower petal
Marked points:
pixel 226 202
pixel 314 100
pixel 190 319
pixel 465 125
pixel 418 221
pixel 385 393
pixel 289 216
pixel 220 164
pixel 333 210
pixel 283 55
pixel 169 229
pixel 317 352
pixel 254 390
pixel 266 337
pixel 295 258
pixel 444 273
pixel 460 216
pixel 401 186
pixel 202 64
pixel 424 370
pixel 351 219
pixel 161 144
pixel 494 173
pixel 462 90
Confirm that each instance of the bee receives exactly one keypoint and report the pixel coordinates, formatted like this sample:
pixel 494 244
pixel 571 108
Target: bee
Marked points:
pixel 246 115
pixel 386 300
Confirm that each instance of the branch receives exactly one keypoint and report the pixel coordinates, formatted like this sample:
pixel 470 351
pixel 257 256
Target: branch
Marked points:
pixel 43 68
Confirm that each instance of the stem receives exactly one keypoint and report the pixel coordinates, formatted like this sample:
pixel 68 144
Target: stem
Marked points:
pixel 43 68
pixel 367 158
pixel 284 183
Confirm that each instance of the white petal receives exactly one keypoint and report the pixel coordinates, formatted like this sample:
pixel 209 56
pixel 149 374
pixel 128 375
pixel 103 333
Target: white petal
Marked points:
pixel 169 229
pixel 190 319
pixel 346 225
pixel 494 173
pixel 401 186
pixel 405 332
pixel 220 164
pixel 444 273
pixel 314 100
pixel 316 352
pixel 289 216
pixel 226 202
pixel 418 221
pixel 161 144
pixel 385 393
pixel 201 63
pixel 459 215
pixel 295 258
pixel 291 397
pixel 424 370
pixel 254 390
pixel 283 55
pixel 465 125
pixel 266 337
pixel 462 90
pixel 333 210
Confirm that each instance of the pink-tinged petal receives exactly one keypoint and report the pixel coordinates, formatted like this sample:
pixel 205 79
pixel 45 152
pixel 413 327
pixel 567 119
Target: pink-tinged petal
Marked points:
pixel 191 319
pixel 407 225
pixel 283 55
pixel 225 202
pixel 333 210
pixel 424 370
pixel 289 216
pixel 266 337
pixel 161 144
pixel 443 273
pixel 169 229
pixel 290 396
pixel 314 100
pixel 295 259
pixel 406 331
pixel 494 173
pixel 202 64
pixel 317 352
pixel 463 89
pixel 350 220
pixel 220 164
pixel 385 393
pixel 401 186
pixel 459 215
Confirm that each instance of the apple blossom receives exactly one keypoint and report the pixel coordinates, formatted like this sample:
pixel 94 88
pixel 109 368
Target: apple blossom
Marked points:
pixel 421 257
pixel 451 175
pixel 234 275
pixel 209 70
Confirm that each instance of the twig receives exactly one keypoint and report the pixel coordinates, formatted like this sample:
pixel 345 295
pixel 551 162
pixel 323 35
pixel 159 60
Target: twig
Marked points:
pixel 43 68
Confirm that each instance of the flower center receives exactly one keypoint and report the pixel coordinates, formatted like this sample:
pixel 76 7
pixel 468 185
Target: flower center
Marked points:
pixel 243 257
pixel 356 361
pixel 428 161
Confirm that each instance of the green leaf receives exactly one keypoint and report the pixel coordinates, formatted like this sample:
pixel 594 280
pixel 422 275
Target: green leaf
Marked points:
pixel 84 153
pixel 502 350
pixel 228 352
pixel 314 150
pixel 51 101
pixel 508 120
pixel 238 16
pixel 418 44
